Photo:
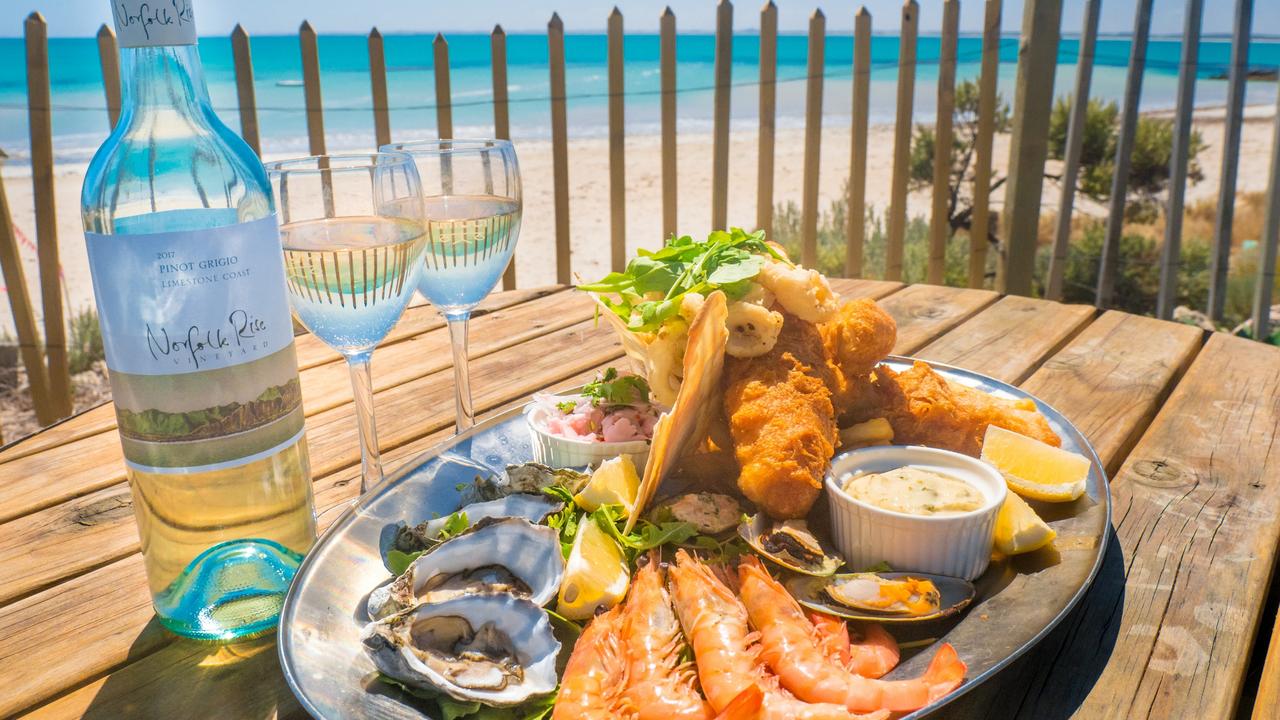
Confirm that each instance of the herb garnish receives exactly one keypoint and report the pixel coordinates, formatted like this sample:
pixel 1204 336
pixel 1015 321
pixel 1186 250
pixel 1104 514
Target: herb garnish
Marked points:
pixel 727 260
pixel 614 389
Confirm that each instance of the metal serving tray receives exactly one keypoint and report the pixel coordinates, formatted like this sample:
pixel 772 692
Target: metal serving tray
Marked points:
pixel 1018 601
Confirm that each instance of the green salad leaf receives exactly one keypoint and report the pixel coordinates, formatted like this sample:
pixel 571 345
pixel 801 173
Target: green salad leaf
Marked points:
pixel 648 293
pixel 398 561
pixel 450 709
pixel 612 388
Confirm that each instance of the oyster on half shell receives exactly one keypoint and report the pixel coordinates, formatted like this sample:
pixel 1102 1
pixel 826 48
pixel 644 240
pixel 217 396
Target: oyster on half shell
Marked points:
pixel 497 555
pixel 496 649
pixel 534 507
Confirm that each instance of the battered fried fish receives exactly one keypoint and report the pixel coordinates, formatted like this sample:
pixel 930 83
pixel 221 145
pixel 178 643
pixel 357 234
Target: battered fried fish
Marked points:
pixel 925 409
pixel 855 341
pixel 782 421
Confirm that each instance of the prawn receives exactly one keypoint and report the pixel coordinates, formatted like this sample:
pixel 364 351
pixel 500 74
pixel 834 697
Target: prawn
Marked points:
pixel 591 687
pixel 657 686
pixel 788 647
pixel 873 654
pixel 733 679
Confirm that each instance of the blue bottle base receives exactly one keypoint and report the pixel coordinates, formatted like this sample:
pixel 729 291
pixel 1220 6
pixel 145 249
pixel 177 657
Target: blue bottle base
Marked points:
pixel 232 591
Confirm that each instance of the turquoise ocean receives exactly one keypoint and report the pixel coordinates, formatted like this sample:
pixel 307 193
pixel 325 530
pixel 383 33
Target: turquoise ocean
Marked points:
pixel 80 121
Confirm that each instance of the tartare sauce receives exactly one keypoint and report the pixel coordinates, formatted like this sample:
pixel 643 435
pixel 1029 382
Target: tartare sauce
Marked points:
pixel 915 491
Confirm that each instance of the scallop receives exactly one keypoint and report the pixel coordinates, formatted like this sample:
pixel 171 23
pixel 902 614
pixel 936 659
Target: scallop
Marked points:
pixel 495 649
pixel 892 597
pixel 510 555
pixel 530 506
pixel 791 544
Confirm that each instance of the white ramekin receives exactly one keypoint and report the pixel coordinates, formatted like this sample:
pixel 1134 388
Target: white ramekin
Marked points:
pixel 955 545
pixel 558 452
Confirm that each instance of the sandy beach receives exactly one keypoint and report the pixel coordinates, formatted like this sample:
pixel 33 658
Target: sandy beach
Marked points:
pixel 589 194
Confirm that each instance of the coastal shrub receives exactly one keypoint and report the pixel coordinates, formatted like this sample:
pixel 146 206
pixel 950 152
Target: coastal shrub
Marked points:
pixel 1149 163
pixel 831 243
pixel 84 346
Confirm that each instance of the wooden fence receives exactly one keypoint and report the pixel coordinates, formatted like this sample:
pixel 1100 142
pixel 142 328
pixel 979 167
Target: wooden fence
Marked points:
pixel 1037 58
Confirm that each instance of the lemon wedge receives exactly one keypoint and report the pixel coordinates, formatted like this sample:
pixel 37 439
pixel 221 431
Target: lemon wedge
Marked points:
pixel 1034 469
pixel 595 575
pixel 1019 529
pixel 615 482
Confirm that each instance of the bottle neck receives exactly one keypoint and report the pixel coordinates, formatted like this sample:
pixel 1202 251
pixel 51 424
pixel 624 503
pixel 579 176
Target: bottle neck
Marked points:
pixel 163 76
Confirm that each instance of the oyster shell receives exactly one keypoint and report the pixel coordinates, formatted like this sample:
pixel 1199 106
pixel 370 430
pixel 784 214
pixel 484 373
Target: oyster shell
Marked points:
pixel 508 555
pixel 530 506
pixel 890 597
pixel 493 648
pixel 530 477
pixel 791 544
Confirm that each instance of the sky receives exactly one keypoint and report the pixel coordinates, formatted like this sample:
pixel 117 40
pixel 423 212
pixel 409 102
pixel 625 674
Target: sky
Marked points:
pixel 71 18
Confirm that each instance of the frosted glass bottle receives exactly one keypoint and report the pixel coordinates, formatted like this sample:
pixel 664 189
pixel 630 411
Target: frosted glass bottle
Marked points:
pixel 188 277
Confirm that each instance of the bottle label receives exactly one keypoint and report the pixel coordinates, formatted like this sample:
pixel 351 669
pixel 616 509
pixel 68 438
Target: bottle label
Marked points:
pixel 150 23
pixel 199 342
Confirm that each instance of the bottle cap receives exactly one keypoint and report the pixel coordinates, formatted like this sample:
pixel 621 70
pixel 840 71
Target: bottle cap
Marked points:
pixel 151 23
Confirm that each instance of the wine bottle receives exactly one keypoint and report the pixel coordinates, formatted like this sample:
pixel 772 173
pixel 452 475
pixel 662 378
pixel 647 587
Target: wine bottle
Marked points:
pixel 188 277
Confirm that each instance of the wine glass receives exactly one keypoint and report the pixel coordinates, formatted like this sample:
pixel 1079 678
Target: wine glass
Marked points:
pixel 353 233
pixel 472 200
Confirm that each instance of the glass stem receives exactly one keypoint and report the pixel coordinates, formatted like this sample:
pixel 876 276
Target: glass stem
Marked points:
pixel 461 377
pixel 362 393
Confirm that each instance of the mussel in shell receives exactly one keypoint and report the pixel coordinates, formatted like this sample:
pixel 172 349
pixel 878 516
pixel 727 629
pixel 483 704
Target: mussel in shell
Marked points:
pixel 891 597
pixel 791 544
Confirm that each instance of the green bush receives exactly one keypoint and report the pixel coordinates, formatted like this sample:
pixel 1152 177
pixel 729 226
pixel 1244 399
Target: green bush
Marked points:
pixel 84 347
pixel 1149 163
pixel 831 244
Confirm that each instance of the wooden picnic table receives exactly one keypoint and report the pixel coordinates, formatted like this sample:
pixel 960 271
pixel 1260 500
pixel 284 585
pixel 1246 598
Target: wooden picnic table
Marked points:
pixel 1176 625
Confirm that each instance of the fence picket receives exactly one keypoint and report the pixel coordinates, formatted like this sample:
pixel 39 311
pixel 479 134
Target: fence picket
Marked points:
pixel 109 58
pixel 856 225
pixel 720 122
pixel 667 63
pixel 617 146
pixel 501 117
pixel 902 140
pixel 768 116
pixel 444 96
pixel 1221 256
pixel 1071 156
pixel 1029 143
pixel 559 145
pixel 311 88
pixel 988 83
pixel 814 67
pixel 246 97
pixel 939 220
pixel 378 88
pixel 1171 253
pixel 1124 154
pixel 1270 239
pixel 40 119
pixel 24 319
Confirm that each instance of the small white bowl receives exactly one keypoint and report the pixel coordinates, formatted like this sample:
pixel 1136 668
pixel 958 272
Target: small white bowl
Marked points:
pixel 558 452
pixel 957 545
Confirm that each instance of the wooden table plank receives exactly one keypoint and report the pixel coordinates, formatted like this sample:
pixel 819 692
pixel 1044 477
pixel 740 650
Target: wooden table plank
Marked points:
pixel 1112 378
pixel 924 312
pixel 1010 339
pixel 1166 629
pixel 1266 706
pixel 95 462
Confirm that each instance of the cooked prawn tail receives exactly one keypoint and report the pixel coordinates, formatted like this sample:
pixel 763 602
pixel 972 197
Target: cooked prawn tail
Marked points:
pixel 945 673
pixel 746 706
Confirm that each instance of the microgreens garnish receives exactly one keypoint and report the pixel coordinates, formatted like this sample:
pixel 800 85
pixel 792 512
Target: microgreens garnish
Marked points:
pixel 610 388
pixel 649 291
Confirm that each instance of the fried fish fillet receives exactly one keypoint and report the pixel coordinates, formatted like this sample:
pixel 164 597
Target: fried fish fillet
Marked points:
pixel 925 409
pixel 855 341
pixel 782 421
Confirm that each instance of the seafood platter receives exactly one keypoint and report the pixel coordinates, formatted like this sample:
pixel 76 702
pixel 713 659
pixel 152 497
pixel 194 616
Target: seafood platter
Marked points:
pixel 759 513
